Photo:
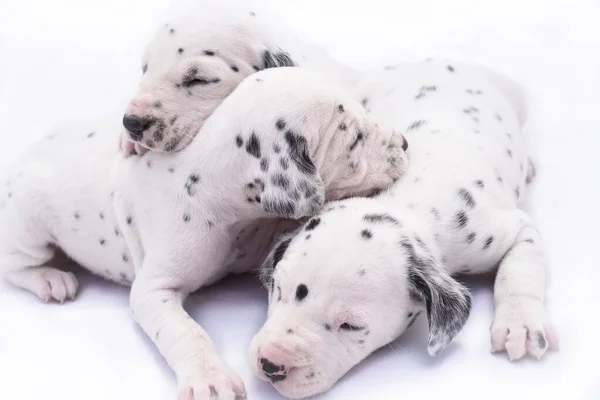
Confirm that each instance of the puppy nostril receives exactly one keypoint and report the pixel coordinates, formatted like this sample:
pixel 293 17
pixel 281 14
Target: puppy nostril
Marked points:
pixel 135 125
pixel 405 145
pixel 270 368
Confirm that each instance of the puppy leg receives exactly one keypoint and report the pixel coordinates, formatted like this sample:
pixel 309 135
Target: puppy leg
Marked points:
pixel 521 324
pixel 157 302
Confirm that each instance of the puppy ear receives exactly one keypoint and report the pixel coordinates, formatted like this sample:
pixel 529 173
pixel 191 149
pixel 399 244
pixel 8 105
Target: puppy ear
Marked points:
pixel 277 58
pixel 295 189
pixel 448 303
pixel 268 266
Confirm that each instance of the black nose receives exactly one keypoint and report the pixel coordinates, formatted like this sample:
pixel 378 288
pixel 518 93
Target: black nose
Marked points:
pixel 405 145
pixel 275 372
pixel 135 125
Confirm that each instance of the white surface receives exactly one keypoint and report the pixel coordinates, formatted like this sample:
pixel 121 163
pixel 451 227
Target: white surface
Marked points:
pixel 61 60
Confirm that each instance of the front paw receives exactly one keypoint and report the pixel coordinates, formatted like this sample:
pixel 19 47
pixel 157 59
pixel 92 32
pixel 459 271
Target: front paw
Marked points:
pixel 212 380
pixel 522 327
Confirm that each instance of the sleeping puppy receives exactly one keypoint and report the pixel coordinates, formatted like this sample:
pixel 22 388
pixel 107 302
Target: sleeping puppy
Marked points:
pixel 197 58
pixel 167 224
pixel 353 278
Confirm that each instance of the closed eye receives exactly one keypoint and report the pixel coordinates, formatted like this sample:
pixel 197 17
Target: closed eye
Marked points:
pixel 349 327
pixel 199 80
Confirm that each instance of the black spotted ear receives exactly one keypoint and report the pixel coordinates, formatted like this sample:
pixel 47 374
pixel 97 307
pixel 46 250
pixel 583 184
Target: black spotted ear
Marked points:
pixel 268 266
pixel 294 188
pixel 277 58
pixel 448 303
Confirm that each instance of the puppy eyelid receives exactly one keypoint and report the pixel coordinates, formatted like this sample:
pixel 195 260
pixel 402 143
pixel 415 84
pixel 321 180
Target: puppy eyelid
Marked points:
pixel 349 327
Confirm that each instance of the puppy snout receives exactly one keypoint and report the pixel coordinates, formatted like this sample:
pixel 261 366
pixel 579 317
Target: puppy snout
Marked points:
pixel 135 125
pixel 272 370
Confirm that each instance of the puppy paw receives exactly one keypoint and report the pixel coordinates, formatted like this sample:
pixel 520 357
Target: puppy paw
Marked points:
pixel 522 327
pixel 211 381
pixel 395 157
pixel 46 282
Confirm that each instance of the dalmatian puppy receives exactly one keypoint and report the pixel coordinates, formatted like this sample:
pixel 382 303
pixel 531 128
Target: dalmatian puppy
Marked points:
pixel 196 59
pixel 281 144
pixel 356 276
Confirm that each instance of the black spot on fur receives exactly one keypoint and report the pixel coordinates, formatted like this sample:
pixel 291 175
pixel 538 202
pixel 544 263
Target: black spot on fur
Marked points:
pixel 301 292
pixel 416 125
pixel 366 234
pixel 517 192
pixel 144 68
pixel 277 59
pixel 125 258
pixel 209 52
pixel 280 124
pixel 172 31
pixel 91 135
pixel 471 237
pixel 381 219
pixel 509 152
pixel 327 327
pixel 239 141
pixel 276 148
pixel 307 236
pixel 488 242
pixel 172 144
pixel 289 331
pixel 256 68
pixel 341 108
pixel 364 101
pixel 284 162
pixel 342 126
pixel 102 242
pixel 461 219
pixel 298 152
pixel 359 138
pixel 264 164
pixel 186 217
pixel 253 146
pixel 312 224
pixel 540 339
pixel 77 216
pixel 529 241
pixel 435 213
pixel 129 220
pixel 101 215
pixel 180 50
pixel 450 68
pixel 235 68
pixel 466 197
pixel 479 183
pixel 191 183
pixel 280 180
pixel 157 104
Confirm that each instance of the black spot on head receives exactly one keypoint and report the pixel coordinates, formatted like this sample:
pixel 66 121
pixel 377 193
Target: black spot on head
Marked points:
pixel 312 224
pixel 380 219
pixel 308 236
pixel 450 68
pixel 253 146
pixel 466 197
pixel 301 292
pixel 186 217
pixel 410 314
pixel 280 124
pixel 499 179
pixel 342 126
pixel 364 101
pixel 171 169
pixel 509 152
pixel 144 68
pixel 366 234
pixel 529 241
pixel 488 242
pixel 91 135
pixel 209 52
pixel 479 183
pixel 362 272
pixel 239 141
pixel 180 50
pixel 77 216
pixel 359 138
pixel 471 237
pixel 129 220
pixel 102 242
pixel 172 31
pixel 517 192
pixel 125 258
pixel 101 215
pixel 341 108
pixel 461 219
pixel 289 331
pixel 327 327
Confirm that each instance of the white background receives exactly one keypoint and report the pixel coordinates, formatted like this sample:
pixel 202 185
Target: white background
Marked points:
pixel 62 60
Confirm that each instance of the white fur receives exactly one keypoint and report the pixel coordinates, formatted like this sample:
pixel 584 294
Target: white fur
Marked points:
pixel 169 224
pixel 371 266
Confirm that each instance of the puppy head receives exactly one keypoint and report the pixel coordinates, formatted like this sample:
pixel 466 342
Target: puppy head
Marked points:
pixel 306 141
pixel 193 62
pixel 346 283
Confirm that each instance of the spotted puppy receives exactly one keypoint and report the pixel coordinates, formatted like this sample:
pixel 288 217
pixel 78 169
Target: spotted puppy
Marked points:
pixel 280 145
pixel 359 274
pixel 196 59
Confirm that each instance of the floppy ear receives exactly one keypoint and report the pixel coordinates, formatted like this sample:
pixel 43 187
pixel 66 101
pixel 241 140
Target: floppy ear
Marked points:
pixel 268 266
pixel 448 303
pixel 295 188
